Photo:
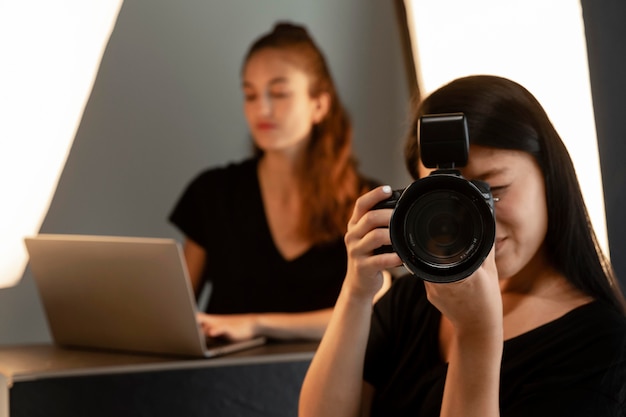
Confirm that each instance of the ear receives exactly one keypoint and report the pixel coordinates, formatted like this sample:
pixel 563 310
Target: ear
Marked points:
pixel 321 107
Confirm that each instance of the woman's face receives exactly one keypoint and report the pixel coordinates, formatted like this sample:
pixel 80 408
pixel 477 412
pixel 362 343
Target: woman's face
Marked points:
pixel 277 105
pixel 521 212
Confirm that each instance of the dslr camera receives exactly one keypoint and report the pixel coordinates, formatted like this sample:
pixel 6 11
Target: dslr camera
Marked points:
pixel 442 225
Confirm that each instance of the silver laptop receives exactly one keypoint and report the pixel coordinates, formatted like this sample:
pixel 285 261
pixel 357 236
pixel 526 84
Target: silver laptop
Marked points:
pixel 120 293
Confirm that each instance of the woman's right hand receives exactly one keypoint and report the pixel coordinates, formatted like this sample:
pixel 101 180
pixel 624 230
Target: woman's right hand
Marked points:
pixel 368 230
pixel 334 383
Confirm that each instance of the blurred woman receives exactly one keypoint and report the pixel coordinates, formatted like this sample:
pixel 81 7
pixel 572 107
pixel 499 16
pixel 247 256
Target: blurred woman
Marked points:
pixel 267 233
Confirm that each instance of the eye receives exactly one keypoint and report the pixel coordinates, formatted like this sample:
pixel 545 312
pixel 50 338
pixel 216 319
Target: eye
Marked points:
pixel 279 94
pixel 498 191
pixel 249 94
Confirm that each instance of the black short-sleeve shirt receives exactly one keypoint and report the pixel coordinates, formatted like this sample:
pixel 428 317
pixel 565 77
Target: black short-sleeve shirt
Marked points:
pixel 572 366
pixel 222 211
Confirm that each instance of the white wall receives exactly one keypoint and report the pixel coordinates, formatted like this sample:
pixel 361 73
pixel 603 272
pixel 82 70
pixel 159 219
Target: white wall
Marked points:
pixel 167 103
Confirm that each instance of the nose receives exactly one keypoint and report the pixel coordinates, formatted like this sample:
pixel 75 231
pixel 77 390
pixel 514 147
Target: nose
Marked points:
pixel 264 105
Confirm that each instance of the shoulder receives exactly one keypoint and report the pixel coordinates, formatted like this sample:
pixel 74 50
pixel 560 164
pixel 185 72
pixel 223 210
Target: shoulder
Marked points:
pixel 595 338
pixel 228 173
pixel 592 332
pixel 223 179
pixel 216 193
pixel 574 366
pixel 607 325
pixel 587 343
pixel 599 319
pixel 220 183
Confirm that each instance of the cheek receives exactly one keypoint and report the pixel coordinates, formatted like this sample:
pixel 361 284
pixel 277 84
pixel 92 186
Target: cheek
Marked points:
pixel 535 209
pixel 525 220
pixel 506 218
pixel 299 118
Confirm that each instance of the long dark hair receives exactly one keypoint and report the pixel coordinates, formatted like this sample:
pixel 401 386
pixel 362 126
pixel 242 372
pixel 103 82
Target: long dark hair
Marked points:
pixel 327 176
pixel 503 114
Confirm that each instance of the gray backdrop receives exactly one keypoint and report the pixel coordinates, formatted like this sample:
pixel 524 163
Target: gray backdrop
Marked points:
pixel 167 103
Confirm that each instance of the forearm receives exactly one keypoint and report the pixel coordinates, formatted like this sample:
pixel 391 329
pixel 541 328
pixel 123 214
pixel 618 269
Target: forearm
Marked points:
pixel 195 257
pixel 308 325
pixel 333 384
pixel 473 380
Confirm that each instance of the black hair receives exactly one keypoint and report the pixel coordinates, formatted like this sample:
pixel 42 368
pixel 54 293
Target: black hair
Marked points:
pixel 503 114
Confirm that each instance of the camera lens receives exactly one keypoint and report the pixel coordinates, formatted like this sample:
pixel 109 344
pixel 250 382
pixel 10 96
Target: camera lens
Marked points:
pixel 442 228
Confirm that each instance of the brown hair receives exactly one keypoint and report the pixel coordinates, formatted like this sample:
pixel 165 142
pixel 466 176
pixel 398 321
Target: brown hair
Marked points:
pixel 327 175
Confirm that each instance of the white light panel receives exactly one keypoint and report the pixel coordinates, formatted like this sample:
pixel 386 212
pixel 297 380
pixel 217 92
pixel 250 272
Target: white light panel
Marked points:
pixel 50 53
pixel 540 44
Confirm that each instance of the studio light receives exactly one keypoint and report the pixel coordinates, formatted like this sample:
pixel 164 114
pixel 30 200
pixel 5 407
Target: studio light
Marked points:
pixel 50 53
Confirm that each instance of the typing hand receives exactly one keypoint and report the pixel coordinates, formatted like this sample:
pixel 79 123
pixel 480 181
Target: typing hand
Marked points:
pixel 235 327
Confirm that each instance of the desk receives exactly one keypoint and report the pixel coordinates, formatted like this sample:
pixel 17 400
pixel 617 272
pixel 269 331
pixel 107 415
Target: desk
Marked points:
pixel 44 380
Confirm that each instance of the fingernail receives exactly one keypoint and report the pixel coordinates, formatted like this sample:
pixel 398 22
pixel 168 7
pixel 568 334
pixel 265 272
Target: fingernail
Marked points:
pixel 386 189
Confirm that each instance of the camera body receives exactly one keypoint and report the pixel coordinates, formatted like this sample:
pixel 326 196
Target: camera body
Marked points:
pixel 442 226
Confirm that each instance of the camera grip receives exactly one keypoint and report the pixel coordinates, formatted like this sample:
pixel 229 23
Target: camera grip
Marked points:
pixel 388 203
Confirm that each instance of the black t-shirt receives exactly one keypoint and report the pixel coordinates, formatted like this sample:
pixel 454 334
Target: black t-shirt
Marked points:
pixel 222 211
pixel 572 366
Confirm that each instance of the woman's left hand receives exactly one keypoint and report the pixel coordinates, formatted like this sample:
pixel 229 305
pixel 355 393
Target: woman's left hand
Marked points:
pixel 474 304
pixel 473 307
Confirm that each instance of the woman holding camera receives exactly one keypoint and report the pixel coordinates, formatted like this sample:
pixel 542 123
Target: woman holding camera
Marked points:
pixel 538 330
pixel 267 233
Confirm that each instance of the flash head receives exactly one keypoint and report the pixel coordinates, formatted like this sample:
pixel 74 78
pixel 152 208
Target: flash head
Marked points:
pixel 443 140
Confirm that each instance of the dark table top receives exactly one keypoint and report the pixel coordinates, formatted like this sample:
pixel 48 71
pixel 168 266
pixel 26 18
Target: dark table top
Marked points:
pixel 30 362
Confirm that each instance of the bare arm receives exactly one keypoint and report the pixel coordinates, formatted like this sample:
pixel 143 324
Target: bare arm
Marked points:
pixel 473 308
pixel 334 383
pixel 307 325
pixel 473 381
pixel 195 256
